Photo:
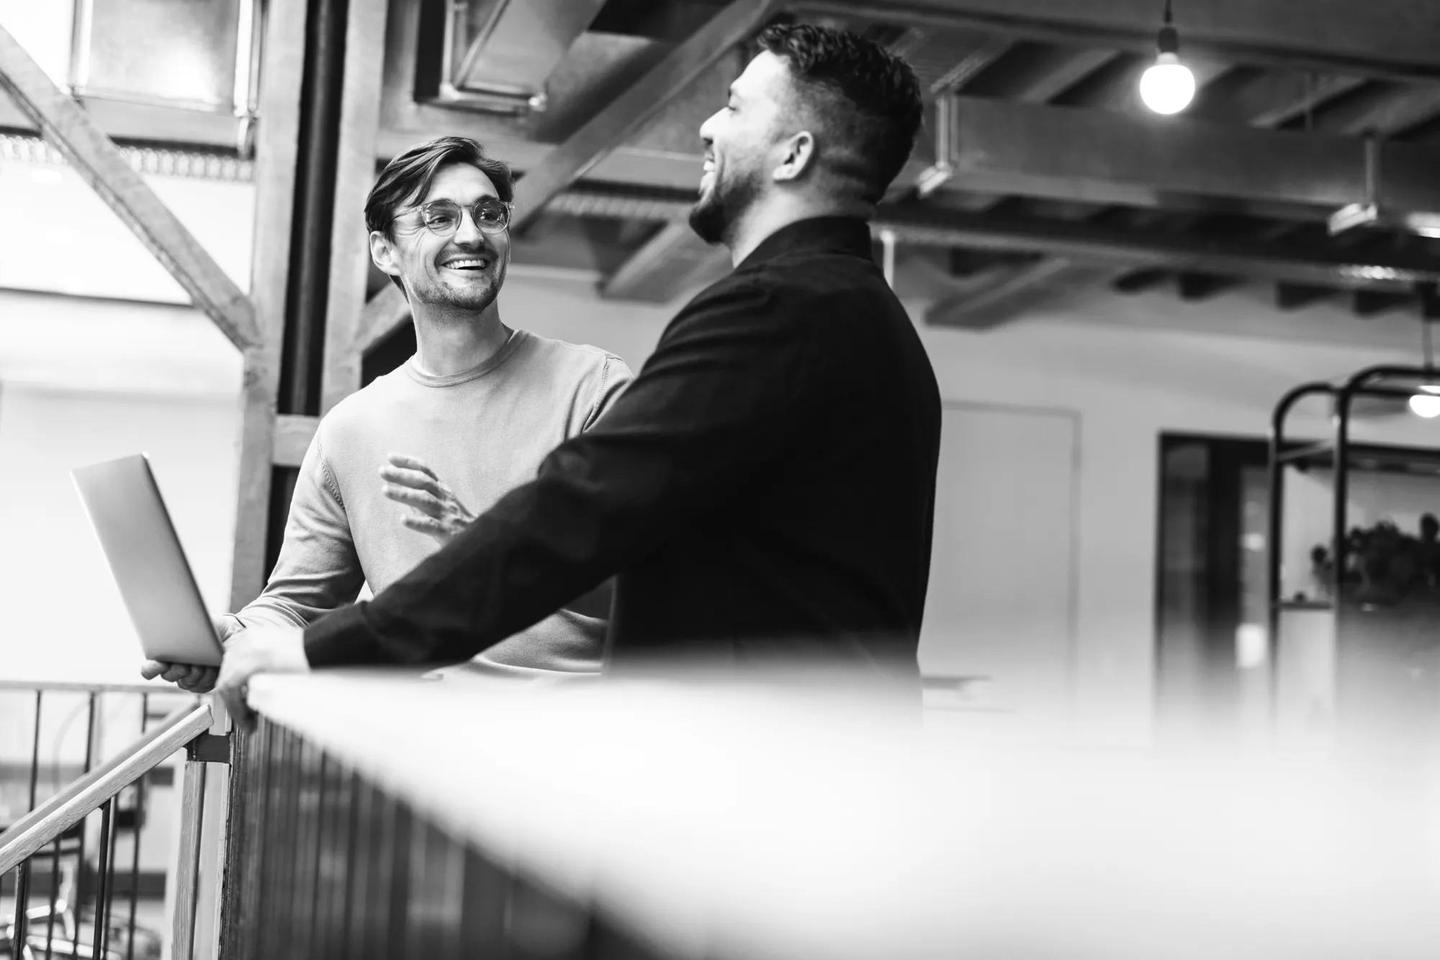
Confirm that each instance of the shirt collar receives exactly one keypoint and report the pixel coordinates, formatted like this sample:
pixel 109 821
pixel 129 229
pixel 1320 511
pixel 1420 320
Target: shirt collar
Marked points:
pixel 818 234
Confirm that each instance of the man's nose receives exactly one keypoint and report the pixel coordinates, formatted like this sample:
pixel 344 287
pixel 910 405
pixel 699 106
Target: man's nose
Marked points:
pixel 468 232
pixel 707 133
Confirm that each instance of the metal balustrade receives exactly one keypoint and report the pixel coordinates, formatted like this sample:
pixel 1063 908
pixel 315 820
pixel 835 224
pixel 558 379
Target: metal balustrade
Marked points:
pixel 62 866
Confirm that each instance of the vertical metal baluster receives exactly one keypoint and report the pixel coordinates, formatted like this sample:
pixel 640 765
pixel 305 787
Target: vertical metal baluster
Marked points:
pixel 22 875
pixel 54 896
pixel 102 890
pixel 139 821
pixel 80 860
pixel 35 755
pixel 22 894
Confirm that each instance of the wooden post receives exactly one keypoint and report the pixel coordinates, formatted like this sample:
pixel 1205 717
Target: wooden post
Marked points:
pixel 275 169
pixel 354 175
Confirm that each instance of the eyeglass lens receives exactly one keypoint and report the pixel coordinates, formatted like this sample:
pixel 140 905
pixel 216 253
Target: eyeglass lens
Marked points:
pixel 443 216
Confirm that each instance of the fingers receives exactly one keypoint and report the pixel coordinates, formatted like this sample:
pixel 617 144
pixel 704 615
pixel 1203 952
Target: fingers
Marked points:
pixel 201 681
pixel 414 479
pixel 231 687
pixel 178 673
pixel 151 669
pixel 412 498
pixel 410 463
pixel 423 524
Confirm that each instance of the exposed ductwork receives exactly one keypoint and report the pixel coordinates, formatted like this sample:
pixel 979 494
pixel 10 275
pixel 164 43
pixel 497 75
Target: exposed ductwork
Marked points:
pixel 499 53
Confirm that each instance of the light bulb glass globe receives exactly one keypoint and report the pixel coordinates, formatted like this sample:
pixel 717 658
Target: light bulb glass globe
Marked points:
pixel 1426 404
pixel 1167 86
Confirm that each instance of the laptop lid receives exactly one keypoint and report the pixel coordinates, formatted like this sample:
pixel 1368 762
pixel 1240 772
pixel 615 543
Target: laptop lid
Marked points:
pixel 129 516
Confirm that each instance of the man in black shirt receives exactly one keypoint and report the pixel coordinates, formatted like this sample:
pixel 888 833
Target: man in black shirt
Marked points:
pixel 764 490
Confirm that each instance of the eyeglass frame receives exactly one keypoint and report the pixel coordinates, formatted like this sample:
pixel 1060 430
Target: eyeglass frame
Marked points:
pixel 462 208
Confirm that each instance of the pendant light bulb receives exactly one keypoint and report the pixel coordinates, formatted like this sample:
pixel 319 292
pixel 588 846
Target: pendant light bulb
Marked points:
pixel 1167 86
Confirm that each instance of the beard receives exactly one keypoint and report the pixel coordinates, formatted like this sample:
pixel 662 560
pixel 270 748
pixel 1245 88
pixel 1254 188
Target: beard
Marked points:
pixel 475 297
pixel 719 209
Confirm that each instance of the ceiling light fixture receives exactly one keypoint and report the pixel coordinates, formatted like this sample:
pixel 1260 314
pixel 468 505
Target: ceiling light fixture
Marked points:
pixel 1167 86
pixel 1370 212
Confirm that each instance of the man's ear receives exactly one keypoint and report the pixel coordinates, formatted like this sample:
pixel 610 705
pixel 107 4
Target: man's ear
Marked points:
pixel 798 153
pixel 382 252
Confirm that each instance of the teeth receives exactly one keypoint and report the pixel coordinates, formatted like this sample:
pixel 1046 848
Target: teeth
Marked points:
pixel 463 264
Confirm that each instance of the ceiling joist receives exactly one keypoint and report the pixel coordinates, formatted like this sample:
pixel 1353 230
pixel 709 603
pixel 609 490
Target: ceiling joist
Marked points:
pixel 625 114
pixel 664 266
pixel 104 168
pixel 1387 38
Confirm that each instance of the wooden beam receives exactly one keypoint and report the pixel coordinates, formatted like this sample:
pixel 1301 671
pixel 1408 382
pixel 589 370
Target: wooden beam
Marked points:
pixel 293 434
pixel 1194 285
pixel 664 266
pixel 1293 296
pixel 276 159
pixel 626 113
pixel 383 312
pixel 1269 98
pixel 1138 281
pixel 102 166
pixel 1008 292
pixel 1393 38
pixel 354 176
pixel 1103 157
pixel 1368 303
pixel 1032 73
pixel 1381 108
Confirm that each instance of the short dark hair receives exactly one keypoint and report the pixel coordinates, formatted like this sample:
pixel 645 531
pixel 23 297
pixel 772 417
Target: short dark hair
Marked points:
pixel 866 99
pixel 411 172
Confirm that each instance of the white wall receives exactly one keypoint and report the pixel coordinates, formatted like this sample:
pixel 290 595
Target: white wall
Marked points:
pixel 1128 368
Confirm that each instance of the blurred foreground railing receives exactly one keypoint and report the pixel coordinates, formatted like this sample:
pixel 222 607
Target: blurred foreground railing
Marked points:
pixel 383 816
pixel 58 878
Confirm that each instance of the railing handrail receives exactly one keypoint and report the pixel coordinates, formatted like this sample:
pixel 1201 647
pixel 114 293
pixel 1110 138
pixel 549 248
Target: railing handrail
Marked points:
pixel 52 818
pixel 84 686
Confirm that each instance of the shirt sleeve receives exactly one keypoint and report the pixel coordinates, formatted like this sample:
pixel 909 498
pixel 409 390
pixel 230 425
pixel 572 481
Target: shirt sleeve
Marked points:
pixel 711 410
pixel 615 376
pixel 318 569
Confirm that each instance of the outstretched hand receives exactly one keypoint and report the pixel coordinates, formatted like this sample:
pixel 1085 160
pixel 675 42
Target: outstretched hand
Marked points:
pixel 434 508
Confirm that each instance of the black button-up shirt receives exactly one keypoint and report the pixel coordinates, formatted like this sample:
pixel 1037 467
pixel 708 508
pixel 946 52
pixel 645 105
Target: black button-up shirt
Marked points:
pixel 763 490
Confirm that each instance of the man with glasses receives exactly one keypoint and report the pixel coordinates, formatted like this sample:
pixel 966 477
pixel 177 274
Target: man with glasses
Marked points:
pixel 403 465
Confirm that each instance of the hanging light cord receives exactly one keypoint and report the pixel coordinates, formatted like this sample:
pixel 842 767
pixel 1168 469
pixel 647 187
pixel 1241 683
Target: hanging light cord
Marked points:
pixel 1167 13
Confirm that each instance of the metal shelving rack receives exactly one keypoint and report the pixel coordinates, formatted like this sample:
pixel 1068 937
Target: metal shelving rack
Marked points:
pixel 1341 455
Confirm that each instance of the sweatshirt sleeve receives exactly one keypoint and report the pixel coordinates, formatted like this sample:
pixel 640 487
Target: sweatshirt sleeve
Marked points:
pixel 318 569
pixel 719 400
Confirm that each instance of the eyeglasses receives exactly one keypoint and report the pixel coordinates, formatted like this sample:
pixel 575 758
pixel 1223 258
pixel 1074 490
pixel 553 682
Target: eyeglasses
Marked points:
pixel 442 217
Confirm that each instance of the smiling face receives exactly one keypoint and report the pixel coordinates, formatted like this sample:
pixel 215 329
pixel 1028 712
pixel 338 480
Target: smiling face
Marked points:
pixel 464 270
pixel 741 143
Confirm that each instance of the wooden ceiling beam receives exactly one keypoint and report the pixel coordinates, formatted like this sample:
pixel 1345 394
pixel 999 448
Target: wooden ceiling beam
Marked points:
pixel 103 167
pixel 1392 38
pixel 625 115
pixel 664 266
pixel 1368 303
pixel 1293 296
pixel 1194 285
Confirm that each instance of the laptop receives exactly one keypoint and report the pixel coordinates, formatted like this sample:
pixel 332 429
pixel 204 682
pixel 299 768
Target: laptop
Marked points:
pixel 149 565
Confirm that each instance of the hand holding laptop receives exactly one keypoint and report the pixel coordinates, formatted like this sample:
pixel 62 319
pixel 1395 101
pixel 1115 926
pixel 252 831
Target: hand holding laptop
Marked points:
pixel 187 676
